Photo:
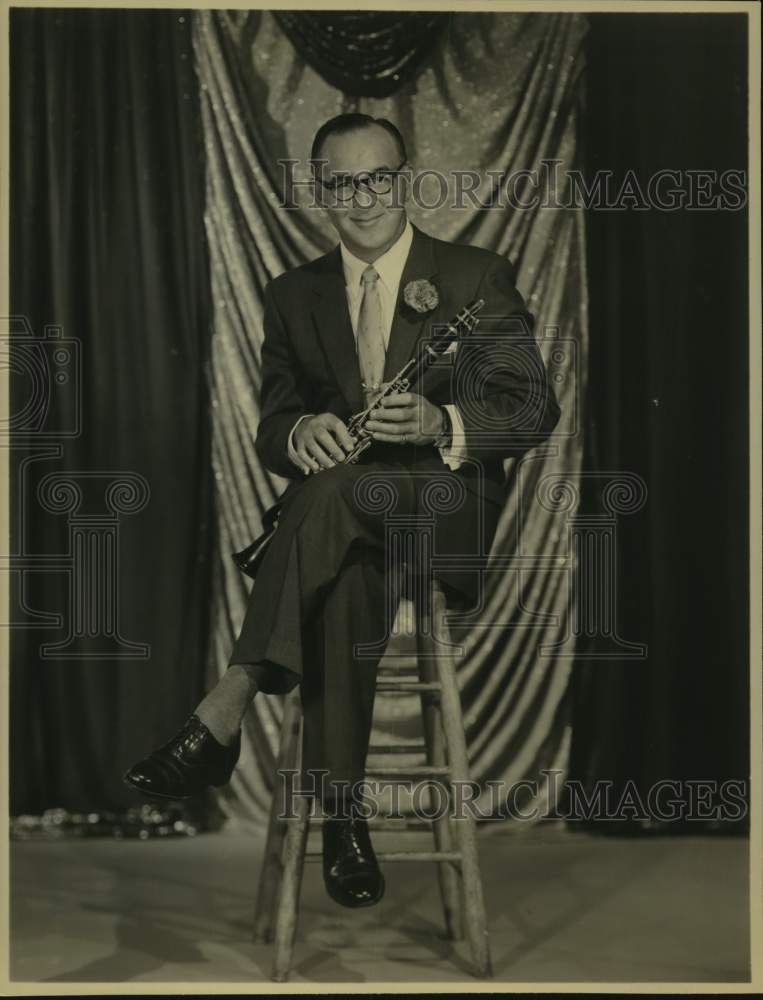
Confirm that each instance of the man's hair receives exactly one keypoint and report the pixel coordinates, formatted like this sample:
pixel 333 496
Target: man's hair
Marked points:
pixel 343 124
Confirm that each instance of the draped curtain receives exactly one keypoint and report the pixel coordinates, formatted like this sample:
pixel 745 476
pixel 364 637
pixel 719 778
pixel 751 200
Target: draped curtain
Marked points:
pixel 363 54
pixel 669 401
pixel 107 242
pixel 145 182
pixel 497 92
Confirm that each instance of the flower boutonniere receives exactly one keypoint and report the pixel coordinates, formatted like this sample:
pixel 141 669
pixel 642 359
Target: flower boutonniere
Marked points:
pixel 421 295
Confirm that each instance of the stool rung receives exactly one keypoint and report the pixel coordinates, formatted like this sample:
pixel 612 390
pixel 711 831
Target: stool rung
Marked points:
pixel 383 827
pixel 401 856
pixel 419 856
pixel 408 686
pixel 413 771
pixel 398 748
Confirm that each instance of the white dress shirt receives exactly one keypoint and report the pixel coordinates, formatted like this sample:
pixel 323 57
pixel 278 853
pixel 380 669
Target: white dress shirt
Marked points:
pixel 390 270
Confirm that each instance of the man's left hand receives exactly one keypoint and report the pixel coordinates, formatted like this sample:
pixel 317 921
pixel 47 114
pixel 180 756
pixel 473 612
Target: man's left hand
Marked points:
pixel 406 418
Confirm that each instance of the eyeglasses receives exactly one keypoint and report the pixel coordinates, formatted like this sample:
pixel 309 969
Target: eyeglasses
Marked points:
pixel 376 181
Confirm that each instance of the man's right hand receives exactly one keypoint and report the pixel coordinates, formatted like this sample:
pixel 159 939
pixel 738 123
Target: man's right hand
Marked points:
pixel 322 441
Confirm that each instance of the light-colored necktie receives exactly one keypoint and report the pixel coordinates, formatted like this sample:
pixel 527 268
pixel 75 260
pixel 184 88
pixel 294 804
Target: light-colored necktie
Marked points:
pixel 371 350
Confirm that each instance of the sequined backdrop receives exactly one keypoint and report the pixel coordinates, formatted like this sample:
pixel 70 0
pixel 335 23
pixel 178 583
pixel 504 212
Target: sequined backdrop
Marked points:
pixel 498 92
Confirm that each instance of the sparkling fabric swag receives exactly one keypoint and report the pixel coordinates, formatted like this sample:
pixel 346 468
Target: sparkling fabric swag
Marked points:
pixel 495 93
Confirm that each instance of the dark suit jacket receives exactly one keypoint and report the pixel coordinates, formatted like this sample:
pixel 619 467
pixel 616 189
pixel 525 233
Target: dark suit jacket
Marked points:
pixel 496 377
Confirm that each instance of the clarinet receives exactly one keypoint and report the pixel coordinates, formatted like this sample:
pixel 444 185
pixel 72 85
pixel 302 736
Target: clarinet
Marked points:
pixel 248 560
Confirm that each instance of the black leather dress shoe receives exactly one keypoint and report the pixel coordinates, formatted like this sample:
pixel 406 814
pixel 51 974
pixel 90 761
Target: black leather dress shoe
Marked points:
pixel 350 870
pixel 185 765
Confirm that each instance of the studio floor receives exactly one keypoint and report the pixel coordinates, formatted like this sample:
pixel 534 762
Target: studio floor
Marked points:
pixel 562 907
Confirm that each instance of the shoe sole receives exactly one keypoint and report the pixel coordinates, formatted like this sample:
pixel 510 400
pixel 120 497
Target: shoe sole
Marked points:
pixel 172 798
pixel 156 795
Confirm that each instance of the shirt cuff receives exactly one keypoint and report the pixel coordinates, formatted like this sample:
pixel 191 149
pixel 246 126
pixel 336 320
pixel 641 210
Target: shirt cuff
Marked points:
pixel 454 453
pixel 290 450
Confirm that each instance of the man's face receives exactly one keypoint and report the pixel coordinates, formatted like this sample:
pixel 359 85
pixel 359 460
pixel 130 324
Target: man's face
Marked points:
pixel 367 223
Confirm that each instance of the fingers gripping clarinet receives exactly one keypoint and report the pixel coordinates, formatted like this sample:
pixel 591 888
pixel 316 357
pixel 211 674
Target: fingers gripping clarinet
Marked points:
pixel 397 416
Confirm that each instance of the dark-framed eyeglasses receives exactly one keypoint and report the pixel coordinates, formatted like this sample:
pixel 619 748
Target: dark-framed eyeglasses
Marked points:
pixel 380 181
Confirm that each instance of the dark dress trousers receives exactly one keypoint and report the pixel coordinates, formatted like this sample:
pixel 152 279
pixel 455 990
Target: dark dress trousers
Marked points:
pixel 324 587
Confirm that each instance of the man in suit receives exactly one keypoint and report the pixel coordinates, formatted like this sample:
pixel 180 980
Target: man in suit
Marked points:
pixel 335 330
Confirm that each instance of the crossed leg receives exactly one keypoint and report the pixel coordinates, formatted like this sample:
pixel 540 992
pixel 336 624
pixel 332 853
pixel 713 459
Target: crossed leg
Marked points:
pixel 321 592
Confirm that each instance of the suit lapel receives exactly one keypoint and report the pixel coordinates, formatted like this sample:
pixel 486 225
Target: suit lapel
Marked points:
pixel 332 318
pixel 407 324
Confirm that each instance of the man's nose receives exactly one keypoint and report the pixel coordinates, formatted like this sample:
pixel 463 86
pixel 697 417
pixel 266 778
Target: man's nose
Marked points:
pixel 362 196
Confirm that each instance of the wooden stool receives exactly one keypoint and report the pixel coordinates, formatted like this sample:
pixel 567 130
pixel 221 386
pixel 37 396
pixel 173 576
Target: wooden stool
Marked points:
pixel 455 844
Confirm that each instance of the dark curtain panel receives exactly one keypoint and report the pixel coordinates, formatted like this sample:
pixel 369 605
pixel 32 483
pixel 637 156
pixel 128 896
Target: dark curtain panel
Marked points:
pixel 668 399
pixel 107 241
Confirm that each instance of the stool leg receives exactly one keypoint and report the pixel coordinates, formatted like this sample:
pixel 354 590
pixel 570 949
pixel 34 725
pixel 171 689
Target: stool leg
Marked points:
pixel 270 872
pixel 291 883
pixel 447 874
pixel 464 829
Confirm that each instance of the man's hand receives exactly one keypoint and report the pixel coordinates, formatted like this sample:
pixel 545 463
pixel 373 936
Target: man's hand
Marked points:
pixel 406 418
pixel 319 441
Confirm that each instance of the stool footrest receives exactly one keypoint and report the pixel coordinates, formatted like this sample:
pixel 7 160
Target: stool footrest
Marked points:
pixel 398 748
pixel 383 827
pixel 408 686
pixel 410 856
pixel 412 771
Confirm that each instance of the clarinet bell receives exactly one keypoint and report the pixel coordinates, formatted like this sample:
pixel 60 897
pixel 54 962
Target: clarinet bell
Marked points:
pixel 249 559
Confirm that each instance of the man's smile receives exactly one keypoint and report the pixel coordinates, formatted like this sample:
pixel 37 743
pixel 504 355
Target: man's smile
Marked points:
pixel 366 220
